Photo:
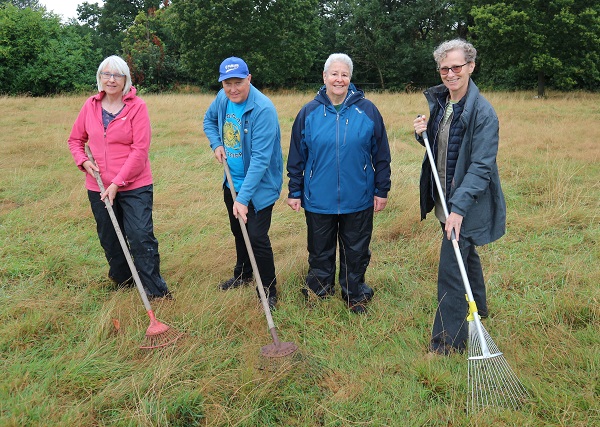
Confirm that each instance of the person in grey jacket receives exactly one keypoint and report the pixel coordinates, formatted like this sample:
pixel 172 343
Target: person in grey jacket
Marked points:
pixel 242 127
pixel 463 131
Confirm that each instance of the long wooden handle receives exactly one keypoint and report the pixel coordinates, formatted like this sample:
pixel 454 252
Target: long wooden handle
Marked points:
pixel 113 218
pixel 261 290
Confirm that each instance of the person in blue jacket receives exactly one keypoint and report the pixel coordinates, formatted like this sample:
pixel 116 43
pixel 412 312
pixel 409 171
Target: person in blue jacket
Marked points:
pixel 242 127
pixel 463 130
pixel 339 172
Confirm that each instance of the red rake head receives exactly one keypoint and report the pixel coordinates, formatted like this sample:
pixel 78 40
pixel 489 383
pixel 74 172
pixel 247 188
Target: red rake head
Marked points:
pixel 279 349
pixel 158 334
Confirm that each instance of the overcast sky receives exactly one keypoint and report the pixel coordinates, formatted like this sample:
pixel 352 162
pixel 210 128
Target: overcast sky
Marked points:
pixel 66 8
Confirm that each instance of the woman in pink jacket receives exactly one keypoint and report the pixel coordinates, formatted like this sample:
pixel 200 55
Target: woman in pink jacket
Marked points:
pixel 116 126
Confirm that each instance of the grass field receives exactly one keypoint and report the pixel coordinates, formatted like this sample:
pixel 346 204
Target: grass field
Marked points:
pixel 63 363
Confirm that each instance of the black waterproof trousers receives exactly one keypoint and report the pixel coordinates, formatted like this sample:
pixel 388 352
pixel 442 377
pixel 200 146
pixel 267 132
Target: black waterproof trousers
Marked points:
pixel 353 233
pixel 133 210
pixel 258 226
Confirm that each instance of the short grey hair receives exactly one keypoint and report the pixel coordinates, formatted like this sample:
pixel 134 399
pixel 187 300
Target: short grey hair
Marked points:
pixel 338 57
pixel 457 44
pixel 115 63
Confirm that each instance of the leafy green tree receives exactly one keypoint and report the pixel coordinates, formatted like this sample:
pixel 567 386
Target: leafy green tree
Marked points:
pixel 390 41
pixel 22 4
pixel 89 14
pixel 151 51
pixel 278 39
pixel 552 42
pixel 116 17
pixel 38 56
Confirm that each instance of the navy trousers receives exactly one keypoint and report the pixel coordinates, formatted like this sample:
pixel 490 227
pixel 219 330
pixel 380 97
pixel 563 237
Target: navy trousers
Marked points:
pixel 450 328
pixel 133 210
pixel 353 233
pixel 258 226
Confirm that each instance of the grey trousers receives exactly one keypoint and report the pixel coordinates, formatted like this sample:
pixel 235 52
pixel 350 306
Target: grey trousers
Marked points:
pixel 450 329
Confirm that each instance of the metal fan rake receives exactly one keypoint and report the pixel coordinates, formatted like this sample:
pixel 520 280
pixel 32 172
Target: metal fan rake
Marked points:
pixel 491 380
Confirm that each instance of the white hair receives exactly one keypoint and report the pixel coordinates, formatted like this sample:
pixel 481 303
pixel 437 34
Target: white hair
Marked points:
pixel 338 57
pixel 114 63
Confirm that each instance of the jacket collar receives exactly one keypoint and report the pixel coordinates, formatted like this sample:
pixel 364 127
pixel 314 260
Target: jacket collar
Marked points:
pixel 353 95
pixel 130 95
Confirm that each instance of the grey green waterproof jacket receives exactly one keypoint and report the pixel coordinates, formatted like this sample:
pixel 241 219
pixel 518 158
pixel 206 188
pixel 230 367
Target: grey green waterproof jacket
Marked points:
pixel 475 191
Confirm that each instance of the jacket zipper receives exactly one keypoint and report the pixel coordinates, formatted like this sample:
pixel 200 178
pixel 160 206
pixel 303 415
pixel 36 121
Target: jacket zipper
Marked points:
pixel 337 154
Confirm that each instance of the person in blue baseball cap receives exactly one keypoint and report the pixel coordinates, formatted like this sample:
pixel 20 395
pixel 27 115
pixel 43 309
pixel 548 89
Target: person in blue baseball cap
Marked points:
pixel 242 127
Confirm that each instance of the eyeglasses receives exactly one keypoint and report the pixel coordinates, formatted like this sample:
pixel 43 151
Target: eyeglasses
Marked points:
pixel 455 69
pixel 107 76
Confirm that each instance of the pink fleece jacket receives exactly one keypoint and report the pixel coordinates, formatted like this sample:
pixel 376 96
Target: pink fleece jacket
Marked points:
pixel 121 152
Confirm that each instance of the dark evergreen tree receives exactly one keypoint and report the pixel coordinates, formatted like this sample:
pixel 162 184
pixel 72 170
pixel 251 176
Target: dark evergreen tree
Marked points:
pixel 278 39
pixel 529 42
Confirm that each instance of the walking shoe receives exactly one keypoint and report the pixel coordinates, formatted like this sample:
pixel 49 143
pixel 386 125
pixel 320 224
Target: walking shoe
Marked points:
pixel 272 300
pixel 358 308
pixel 166 297
pixel 124 284
pixel 234 282
pixel 310 294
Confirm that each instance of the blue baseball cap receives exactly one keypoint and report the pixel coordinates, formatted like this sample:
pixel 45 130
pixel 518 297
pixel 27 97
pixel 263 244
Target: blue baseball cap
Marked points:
pixel 233 67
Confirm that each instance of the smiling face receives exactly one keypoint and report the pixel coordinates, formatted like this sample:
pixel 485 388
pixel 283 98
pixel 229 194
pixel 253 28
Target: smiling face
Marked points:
pixel 114 84
pixel 337 80
pixel 456 83
pixel 237 89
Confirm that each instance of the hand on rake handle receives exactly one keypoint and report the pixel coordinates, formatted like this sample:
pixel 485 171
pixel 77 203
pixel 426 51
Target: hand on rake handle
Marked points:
pixel 240 211
pixel 420 124
pixel 110 192
pixel 219 154
pixel 92 169
pixel 453 224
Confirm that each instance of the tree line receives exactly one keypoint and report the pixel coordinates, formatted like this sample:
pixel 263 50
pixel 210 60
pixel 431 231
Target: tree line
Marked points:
pixel 168 44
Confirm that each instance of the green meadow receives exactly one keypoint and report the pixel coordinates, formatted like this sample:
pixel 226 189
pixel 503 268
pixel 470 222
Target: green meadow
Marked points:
pixel 64 363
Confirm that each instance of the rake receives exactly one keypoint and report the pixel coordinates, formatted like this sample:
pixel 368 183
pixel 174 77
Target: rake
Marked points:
pixel 158 334
pixel 491 380
pixel 277 348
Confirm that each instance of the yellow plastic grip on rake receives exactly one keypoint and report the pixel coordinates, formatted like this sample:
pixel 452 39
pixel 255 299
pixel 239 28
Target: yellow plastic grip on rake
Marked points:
pixel 472 309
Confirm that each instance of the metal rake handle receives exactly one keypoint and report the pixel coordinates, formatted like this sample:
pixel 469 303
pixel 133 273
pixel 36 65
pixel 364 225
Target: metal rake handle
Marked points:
pixel 461 265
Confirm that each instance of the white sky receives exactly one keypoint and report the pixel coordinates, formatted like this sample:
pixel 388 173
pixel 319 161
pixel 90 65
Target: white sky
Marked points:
pixel 66 8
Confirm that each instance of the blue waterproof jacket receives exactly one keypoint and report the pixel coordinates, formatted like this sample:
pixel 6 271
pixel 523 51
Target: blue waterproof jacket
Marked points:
pixel 261 146
pixel 338 161
pixel 474 191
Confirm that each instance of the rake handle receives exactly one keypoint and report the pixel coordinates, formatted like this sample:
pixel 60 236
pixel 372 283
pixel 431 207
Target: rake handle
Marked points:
pixel 261 290
pixel 459 259
pixel 113 218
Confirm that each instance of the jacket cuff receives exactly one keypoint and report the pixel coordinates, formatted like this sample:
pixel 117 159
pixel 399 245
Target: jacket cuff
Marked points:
pixel 380 193
pixel 118 181
pixel 294 194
